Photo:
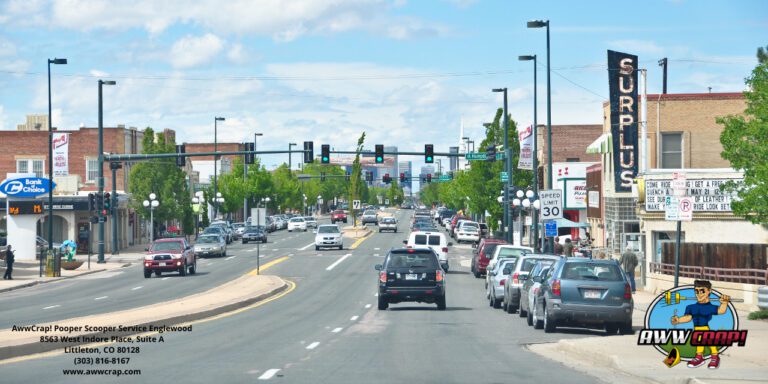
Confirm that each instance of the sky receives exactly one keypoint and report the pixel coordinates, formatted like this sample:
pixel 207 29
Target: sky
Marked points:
pixel 406 72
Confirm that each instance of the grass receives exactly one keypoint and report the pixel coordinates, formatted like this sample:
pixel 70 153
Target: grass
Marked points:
pixel 758 315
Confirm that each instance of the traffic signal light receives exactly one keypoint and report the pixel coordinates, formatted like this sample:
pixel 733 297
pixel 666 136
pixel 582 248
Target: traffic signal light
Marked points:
pixel 249 157
pixel 429 177
pixel 429 153
pixel 91 202
pixel 379 153
pixel 325 154
pixel 99 202
pixel 107 202
pixel 402 177
pixel 369 176
pixel 181 160
pixel 386 179
pixel 309 156
pixel 490 153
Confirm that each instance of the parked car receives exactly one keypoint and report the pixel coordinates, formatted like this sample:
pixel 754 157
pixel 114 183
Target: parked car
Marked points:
pixel 505 251
pixel 227 228
pixel 530 288
pixel 411 274
pixel 297 224
pixel 498 280
pixel 328 235
pixel 311 222
pixel 483 254
pixel 576 286
pixel 270 225
pixel 454 221
pixel 255 233
pixel 468 231
pixel 238 229
pixel 388 224
pixel 338 215
pixel 218 230
pixel 170 255
pixel 210 245
pixel 513 296
pixel 433 240
pixel 483 230
pixel 369 217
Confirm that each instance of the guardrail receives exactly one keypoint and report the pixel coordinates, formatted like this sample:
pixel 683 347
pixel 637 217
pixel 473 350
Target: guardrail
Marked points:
pixel 745 276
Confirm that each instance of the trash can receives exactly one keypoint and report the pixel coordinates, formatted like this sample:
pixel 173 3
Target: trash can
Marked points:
pixel 53 263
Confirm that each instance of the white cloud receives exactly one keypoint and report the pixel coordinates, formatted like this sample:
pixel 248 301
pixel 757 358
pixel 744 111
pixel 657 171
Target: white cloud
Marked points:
pixel 97 73
pixel 237 54
pixel 7 48
pixel 191 51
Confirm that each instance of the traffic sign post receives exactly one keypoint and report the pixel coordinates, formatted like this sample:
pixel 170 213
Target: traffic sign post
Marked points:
pixel 355 204
pixel 504 176
pixel 550 229
pixel 678 209
pixel 551 208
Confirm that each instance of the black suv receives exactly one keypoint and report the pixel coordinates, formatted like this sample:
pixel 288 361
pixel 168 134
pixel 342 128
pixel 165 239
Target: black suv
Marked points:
pixel 411 274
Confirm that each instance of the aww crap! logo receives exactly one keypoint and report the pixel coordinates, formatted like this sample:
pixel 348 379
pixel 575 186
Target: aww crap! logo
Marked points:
pixel 60 140
pixel 525 133
pixel 692 323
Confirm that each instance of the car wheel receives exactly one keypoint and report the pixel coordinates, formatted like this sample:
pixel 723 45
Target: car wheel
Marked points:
pixel 611 328
pixel 341 247
pixel 317 248
pixel 147 274
pixel 264 241
pixel 549 323
pixel 626 328
pixel 383 303
pixel 520 311
pixel 529 318
pixel 158 273
pixel 245 241
pixel 496 302
pixel 441 303
pixel 193 268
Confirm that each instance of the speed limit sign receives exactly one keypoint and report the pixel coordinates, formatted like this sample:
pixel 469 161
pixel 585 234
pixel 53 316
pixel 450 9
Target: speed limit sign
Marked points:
pixel 551 204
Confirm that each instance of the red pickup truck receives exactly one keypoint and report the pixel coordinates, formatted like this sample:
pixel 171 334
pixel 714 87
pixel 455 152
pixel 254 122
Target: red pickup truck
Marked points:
pixel 170 255
pixel 338 215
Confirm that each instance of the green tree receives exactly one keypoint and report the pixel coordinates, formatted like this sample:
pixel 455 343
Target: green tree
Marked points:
pixel 356 186
pixel 745 145
pixel 762 55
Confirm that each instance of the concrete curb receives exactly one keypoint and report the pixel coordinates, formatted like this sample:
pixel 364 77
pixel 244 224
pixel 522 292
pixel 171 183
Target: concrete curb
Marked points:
pixel 37 347
pixel 36 282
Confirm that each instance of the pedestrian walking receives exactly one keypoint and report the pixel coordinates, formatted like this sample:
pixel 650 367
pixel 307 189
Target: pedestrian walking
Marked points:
pixel 558 246
pixel 568 248
pixel 628 261
pixel 9 260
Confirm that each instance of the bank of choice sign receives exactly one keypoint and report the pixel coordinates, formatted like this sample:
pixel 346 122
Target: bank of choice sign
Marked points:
pixel 622 78
pixel 25 187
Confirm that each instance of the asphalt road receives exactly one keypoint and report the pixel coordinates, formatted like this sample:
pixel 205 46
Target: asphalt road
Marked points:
pixel 328 330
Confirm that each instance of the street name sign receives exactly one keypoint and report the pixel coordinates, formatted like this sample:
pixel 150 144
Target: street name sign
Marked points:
pixel 551 204
pixel 504 177
pixel 481 156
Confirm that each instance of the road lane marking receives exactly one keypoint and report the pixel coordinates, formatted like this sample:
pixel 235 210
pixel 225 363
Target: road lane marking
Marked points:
pixel 360 240
pixel 135 288
pixel 353 318
pixel 304 248
pixel 101 298
pixel 337 262
pixel 367 306
pixel 376 294
pixel 313 345
pixel 377 249
pixel 230 258
pixel 52 306
pixel 337 330
pixel 376 255
pixel 255 271
pixel 269 373
pixel 165 278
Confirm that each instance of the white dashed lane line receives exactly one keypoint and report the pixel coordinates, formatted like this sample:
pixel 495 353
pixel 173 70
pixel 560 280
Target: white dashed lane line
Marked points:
pixel 136 288
pixel 367 306
pixel 101 298
pixel 353 318
pixel 268 374
pixel 52 306
pixel 304 248
pixel 165 278
pixel 337 262
pixel 337 330
pixel 230 258
pixel 313 345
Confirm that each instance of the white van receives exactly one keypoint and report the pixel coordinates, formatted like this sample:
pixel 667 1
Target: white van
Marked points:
pixel 434 240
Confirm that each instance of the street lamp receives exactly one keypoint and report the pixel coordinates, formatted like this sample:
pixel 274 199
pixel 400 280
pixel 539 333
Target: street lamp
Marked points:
pixel 50 163
pixel 215 160
pixel 217 200
pixel 196 201
pixel 289 155
pixel 151 204
pixel 526 200
pixel 540 24
pixel 535 139
pixel 101 166
pixel 507 166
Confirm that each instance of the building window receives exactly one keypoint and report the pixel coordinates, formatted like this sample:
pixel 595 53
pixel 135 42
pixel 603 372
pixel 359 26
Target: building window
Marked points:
pixel 31 166
pixel 572 160
pixel 91 169
pixel 672 150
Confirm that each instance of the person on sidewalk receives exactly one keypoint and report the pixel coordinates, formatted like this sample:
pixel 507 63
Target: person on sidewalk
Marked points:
pixel 701 313
pixel 568 248
pixel 558 247
pixel 10 258
pixel 628 261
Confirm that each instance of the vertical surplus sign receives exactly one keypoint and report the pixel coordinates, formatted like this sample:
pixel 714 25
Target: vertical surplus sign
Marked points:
pixel 622 78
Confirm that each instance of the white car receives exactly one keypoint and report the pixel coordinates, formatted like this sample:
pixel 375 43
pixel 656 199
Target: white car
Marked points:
pixel 468 231
pixel 328 235
pixel 434 240
pixel 498 277
pixel 388 224
pixel 297 224
pixel 446 222
pixel 311 221
pixel 505 251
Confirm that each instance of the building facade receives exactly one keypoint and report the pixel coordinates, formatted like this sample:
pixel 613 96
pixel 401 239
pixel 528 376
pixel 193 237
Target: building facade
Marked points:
pixel 568 143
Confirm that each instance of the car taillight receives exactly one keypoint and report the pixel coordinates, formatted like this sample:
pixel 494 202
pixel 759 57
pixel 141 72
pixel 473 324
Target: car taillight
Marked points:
pixel 627 291
pixel 383 277
pixel 502 282
pixel 439 275
pixel 556 288
pixel 515 278
pixel 445 249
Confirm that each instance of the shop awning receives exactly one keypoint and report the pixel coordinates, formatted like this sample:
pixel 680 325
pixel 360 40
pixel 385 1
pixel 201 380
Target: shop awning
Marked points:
pixel 603 144
pixel 565 223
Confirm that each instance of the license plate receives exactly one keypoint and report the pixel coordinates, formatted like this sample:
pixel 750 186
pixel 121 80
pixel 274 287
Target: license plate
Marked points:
pixel 162 264
pixel 591 294
pixel 411 276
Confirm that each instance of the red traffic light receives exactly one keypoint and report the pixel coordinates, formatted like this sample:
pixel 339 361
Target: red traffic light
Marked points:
pixel 402 177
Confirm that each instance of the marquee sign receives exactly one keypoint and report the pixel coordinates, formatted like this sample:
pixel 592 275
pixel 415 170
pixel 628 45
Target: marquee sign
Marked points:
pixel 622 79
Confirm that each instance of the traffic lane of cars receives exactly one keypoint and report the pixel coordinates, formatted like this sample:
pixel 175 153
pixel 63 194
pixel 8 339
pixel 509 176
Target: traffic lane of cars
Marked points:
pixel 126 288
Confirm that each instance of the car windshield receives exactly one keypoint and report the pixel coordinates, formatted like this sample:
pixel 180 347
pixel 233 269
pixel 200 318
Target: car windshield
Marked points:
pixel 328 229
pixel 297 220
pixel 469 224
pixel 253 230
pixel 208 239
pixel 592 272
pixel 512 252
pixel 166 246
pixel 414 259
pixel 213 230
pixel 489 248
pixel 369 213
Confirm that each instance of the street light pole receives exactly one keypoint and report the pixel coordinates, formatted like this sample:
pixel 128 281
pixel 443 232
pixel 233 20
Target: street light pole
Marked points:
pixel 535 133
pixel 215 162
pixel 101 167
pixel 507 167
pixel 289 156
pixel 245 175
pixel 50 163
pixel 539 24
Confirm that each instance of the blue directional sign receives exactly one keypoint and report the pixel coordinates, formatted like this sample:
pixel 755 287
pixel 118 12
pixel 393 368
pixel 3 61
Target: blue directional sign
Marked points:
pixel 25 187
pixel 550 229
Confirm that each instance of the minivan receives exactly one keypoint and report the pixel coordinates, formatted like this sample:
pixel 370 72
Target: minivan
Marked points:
pixel 434 240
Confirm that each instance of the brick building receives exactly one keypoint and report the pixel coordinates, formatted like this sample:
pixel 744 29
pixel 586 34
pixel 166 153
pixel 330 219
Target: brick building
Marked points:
pixel 568 143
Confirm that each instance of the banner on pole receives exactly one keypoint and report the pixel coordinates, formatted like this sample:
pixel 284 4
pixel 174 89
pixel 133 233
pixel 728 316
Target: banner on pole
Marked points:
pixel 525 134
pixel 60 154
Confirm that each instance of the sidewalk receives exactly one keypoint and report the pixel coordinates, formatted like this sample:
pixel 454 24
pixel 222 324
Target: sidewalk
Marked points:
pixel 620 359
pixel 27 273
